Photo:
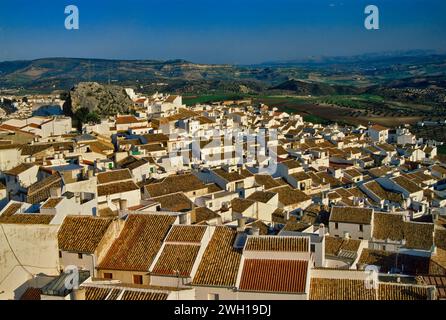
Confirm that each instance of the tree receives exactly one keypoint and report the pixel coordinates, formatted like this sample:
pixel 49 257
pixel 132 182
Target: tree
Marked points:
pixel 93 117
pixel 81 114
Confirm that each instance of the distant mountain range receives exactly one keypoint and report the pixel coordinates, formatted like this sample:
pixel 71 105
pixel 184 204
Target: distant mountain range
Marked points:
pixel 322 75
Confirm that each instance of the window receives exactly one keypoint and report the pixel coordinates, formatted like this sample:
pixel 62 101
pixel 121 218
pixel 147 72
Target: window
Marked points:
pixel 361 228
pixel 384 248
pixel 137 279
pixel 210 204
pixel 313 248
pixel 213 296
pixel 80 255
pixel 60 254
pixel 336 225
pixel 108 275
pixel 360 238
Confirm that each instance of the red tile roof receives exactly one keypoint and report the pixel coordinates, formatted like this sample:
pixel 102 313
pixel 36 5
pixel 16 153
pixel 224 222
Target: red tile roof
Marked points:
pixel 176 258
pixel 138 243
pixel 184 233
pixel 276 243
pixel 114 175
pixel 82 233
pixel 274 275
pixel 220 262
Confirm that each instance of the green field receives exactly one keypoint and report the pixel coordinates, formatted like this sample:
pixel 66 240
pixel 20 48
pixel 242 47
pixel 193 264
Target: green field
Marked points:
pixel 315 119
pixel 353 102
pixel 191 100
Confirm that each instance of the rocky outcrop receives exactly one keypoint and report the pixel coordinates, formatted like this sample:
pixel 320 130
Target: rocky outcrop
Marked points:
pixel 105 100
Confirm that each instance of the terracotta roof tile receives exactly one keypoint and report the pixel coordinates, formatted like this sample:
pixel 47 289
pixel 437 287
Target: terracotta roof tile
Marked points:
pixel 269 275
pixel 40 191
pixel 19 169
pixel 175 258
pixel 419 235
pixel 333 245
pixel 11 209
pixel 82 234
pixel 117 187
pixel 174 184
pixel 340 289
pixel 185 233
pixel 96 293
pixel 351 215
pixel 266 180
pixel 138 242
pixel 240 205
pixel 388 226
pixel 276 243
pixel 289 196
pixel 233 176
pixel 261 196
pixel 141 295
pixel 387 260
pixel 220 262
pixel 388 291
pixel 391 226
pixel 203 214
pixel 177 202
pixel 51 203
pixel 113 176
pixel 27 218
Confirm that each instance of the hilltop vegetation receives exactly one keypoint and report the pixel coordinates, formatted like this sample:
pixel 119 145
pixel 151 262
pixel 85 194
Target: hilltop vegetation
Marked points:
pixel 389 89
pixel 91 100
pixel 326 76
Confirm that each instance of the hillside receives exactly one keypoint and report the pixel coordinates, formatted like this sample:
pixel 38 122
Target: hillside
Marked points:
pixel 64 73
pixel 303 88
pixel 321 76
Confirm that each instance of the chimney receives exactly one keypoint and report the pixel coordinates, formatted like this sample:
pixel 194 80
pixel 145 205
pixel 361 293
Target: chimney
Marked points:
pixel 360 266
pixel 241 224
pixel 193 215
pixel 255 231
pixel 123 204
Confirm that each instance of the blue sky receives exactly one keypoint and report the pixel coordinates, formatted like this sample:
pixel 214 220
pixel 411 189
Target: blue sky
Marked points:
pixel 212 31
